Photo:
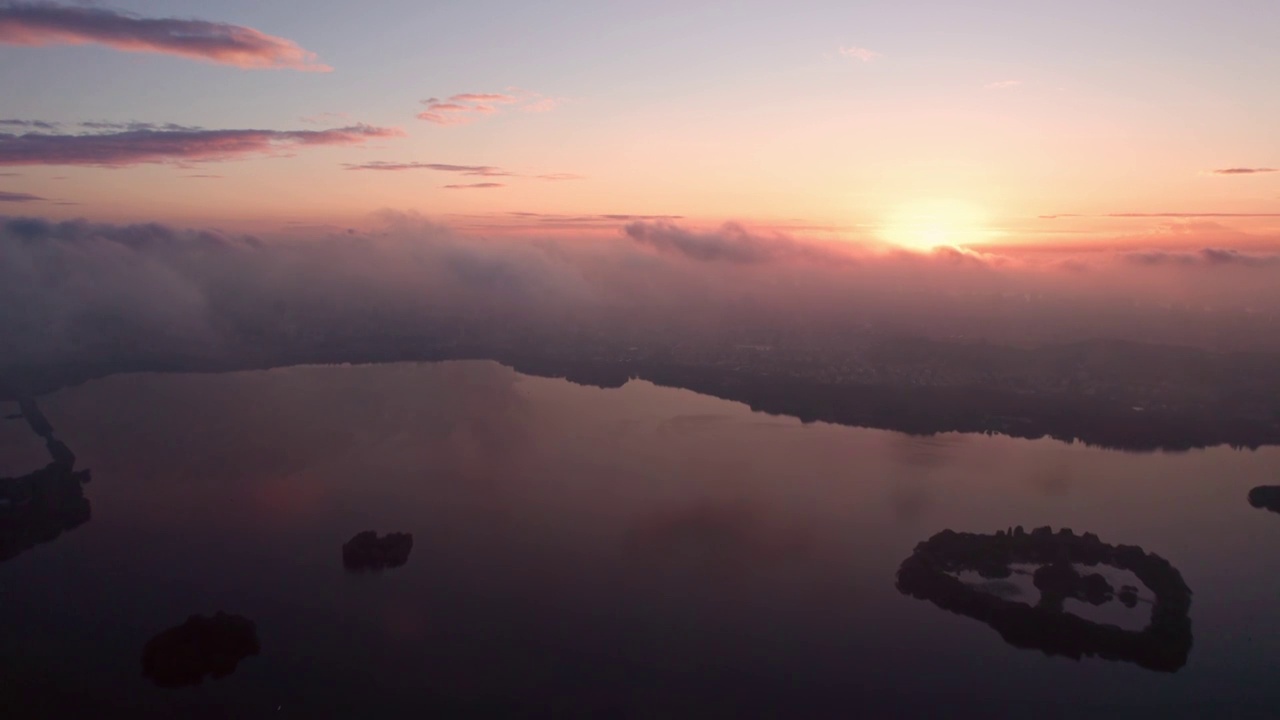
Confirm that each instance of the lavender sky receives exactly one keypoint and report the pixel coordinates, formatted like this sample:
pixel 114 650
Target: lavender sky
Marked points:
pixel 921 124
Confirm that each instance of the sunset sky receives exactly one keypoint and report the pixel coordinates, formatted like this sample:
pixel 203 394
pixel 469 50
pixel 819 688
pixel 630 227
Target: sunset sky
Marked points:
pixel 915 123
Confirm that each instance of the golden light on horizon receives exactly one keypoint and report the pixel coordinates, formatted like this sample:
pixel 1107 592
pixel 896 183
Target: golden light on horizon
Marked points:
pixel 929 224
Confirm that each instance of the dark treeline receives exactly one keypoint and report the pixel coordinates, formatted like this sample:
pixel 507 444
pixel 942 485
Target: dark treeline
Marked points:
pixel 1142 398
pixel 38 507
pixel 1163 645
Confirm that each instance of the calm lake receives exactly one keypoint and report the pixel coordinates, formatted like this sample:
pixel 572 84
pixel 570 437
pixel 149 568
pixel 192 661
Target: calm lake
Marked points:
pixel 638 552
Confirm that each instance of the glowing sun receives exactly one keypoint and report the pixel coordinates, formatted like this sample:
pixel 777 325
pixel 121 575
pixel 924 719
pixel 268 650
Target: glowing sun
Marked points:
pixel 925 225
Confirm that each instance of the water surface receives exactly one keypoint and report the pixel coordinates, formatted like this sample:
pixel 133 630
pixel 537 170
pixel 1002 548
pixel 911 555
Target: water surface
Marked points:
pixel 638 552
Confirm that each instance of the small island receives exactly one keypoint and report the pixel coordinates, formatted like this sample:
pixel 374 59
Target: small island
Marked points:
pixel 201 646
pixel 1266 497
pixel 368 552
pixel 1163 645
pixel 38 507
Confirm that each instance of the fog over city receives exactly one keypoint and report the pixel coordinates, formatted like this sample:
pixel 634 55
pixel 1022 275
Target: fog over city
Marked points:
pixel 71 289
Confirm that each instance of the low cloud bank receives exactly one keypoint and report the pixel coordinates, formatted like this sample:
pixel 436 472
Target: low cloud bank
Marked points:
pixel 78 290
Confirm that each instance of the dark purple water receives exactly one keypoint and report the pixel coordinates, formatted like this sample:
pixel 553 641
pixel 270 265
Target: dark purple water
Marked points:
pixel 640 552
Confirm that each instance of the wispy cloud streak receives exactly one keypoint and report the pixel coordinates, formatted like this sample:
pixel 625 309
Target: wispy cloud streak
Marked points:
pixel 134 147
pixel 1192 215
pixel 464 108
pixel 1167 215
pixel 1208 257
pixel 46 23
pixel 38 124
pixel 476 170
pixel 499 98
pixel 472 170
pixel 135 125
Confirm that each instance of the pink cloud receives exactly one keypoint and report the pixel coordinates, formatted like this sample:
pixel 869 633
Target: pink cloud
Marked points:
pixel 443 118
pixel 1003 84
pixel 134 147
pixel 499 98
pixel 454 113
pixel 447 113
pixel 470 170
pixel 449 107
pixel 859 53
pixel 478 170
pixel 464 108
pixel 474 186
pixel 1244 171
pixel 36 24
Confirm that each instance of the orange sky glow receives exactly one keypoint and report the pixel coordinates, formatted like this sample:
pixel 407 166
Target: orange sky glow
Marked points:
pixel 898 134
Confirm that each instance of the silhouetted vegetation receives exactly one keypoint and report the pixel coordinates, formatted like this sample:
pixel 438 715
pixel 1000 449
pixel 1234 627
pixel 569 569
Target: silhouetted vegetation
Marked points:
pixel 367 551
pixel 1266 496
pixel 1163 645
pixel 39 506
pixel 201 646
pixel 1117 395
